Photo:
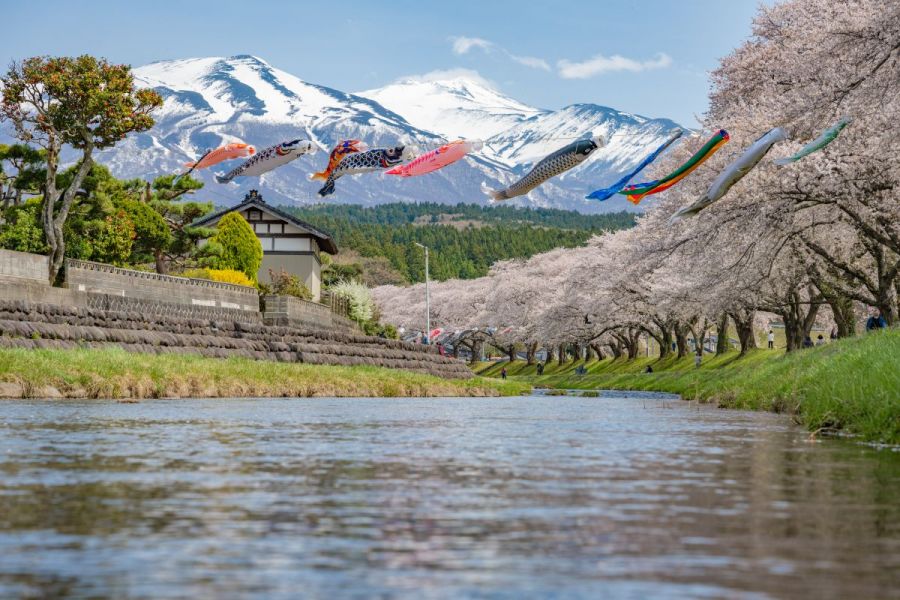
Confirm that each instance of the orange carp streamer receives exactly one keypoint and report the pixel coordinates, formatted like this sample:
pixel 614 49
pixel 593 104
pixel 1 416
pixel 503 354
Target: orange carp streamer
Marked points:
pixel 340 151
pixel 221 154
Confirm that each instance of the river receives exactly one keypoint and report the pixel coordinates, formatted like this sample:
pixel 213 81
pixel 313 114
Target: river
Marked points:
pixel 621 496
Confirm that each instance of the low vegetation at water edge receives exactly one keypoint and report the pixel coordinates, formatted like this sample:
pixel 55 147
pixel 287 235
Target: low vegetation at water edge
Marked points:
pixel 114 373
pixel 851 385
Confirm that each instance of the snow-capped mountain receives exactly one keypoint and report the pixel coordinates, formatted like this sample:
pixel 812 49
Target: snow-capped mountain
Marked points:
pixel 211 101
pixel 456 107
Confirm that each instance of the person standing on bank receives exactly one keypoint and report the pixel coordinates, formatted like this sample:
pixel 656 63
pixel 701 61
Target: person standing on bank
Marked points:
pixel 771 340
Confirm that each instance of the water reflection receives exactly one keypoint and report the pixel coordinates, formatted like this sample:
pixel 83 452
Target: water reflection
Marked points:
pixel 628 497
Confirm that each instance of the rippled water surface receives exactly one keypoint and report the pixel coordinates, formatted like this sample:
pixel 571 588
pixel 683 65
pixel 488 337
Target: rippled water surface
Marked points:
pixel 618 496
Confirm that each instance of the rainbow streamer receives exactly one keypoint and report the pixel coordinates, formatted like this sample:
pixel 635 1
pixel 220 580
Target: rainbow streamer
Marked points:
pixel 607 193
pixel 637 192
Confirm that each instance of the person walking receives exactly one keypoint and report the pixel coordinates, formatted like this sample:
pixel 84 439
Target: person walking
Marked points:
pixel 503 373
pixel 771 340
pixel 540 368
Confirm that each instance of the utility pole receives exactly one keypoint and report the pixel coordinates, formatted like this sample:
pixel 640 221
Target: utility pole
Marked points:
pixel 427 296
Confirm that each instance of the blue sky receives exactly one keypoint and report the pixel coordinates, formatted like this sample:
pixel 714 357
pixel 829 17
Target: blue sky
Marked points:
pixel 644 56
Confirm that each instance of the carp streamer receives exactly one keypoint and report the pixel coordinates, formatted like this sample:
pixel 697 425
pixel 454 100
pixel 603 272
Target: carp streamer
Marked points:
pixel 268 159
pixel 637 192
pixel 734 172
pixel 376 159
pixel 437 158
pixel 607 193
pixel 827 136
pixel 550 166
pixel 334 159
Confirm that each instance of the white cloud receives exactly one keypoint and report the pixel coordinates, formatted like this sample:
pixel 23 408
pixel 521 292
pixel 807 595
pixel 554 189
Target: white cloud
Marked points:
pixel 462 45
pixel 600 64
pixel 446 74
pixel 530 61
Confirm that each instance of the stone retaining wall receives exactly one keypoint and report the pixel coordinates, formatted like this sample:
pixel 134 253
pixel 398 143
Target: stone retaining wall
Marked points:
pixel 28 325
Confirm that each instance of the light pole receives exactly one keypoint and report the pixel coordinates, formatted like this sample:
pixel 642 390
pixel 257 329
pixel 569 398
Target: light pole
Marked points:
pixel 427 296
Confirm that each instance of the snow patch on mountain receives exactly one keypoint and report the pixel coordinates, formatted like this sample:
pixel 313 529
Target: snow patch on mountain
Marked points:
pixel 460 107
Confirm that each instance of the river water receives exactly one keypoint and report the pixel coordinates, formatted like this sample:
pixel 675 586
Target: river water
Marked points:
pixel 622 496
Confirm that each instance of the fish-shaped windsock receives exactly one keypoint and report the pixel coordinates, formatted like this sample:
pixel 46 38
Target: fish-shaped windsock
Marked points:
pixel 337 154
pixel 376 159
pixel 826 137
pixel 550 166
pixel 734 172
pixel 637 192
pixel 268 159
pixel 221 154
pixel 437 158
pixel 606 194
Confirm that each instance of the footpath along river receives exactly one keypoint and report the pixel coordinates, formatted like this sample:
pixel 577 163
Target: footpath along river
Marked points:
pixel 622 496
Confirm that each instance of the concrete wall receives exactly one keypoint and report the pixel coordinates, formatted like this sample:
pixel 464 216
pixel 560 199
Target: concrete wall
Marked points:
pixel 294 312
pixel 285 309
pixel 23 266
pixel 97 278
pixel 305 266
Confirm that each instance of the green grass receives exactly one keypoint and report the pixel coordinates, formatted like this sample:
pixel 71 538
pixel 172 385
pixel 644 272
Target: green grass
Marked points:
pixel 114 373
pixel 851 385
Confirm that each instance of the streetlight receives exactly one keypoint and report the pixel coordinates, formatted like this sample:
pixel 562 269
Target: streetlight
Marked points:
pixel 427 295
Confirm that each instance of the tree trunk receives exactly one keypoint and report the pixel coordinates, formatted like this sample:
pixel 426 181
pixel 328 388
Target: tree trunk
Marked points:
pixel 511 353
pixel 799 315
pixel 598 351
pixel 844 315
pixel 698 331
pixel 681 333
pixel 722 335
pixel 477 351
pixel 530 352
pixel 663 337
pixel 562 354
pixel 633 348
pixel 743 322
pixel 630 342
pixel 887 302
pixel 53 218
pixel 616 349
pixel 161 266
pixel 793 332
pixel 842 307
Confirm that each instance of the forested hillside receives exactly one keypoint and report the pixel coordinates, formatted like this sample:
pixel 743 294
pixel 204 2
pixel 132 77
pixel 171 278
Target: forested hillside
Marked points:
pixel 465 240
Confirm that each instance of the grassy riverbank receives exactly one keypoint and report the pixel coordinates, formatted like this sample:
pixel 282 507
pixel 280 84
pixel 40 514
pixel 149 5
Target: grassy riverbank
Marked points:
pixel 851 385
pixel 114 373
